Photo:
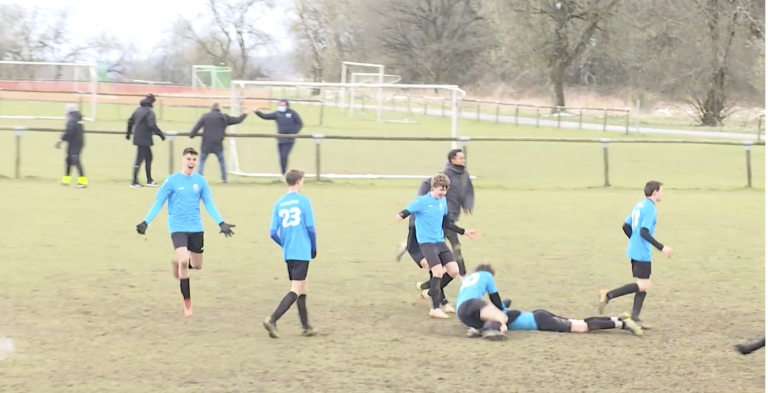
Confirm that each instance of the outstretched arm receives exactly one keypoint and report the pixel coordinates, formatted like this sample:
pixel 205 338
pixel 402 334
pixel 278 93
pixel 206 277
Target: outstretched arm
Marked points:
pixel 266 116
pixel 197 127
pixel 209 206
pixel 447 224
pixel 162 196
pixel 236 120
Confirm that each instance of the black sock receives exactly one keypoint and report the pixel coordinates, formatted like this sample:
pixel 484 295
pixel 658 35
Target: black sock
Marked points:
pixel 425 284
pixel 445 281
pixel 638 306
pixel 284 305
pixel 621 291
pixel 434 292
pixel 301 302
pixel 185 291
pixel 69 169
pixel 592 319
pixel 599 324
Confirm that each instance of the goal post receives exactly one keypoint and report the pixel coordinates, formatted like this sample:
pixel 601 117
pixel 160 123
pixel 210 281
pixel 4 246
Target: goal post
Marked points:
pixel 40 86
pixel 210 76
pixel 240 90
pixel 345 67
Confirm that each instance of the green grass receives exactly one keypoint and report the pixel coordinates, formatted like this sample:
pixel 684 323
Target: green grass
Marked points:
pixel 92 307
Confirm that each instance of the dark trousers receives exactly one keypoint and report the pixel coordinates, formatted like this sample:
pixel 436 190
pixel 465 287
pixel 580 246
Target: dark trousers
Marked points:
pixel 220 154
pixel 143 154
pixel 73 160
pixel 453 238
pixel 284 149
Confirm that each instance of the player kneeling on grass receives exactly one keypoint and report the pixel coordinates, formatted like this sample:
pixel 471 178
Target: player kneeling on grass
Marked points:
pixel 483 319
pixel 184 190
pixel 75 138
pixel 545 321
pixel 293 229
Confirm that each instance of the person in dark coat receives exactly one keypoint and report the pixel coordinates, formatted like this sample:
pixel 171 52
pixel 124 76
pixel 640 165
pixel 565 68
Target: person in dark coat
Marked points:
pixel 214 125
pixel 75 138
pixel 143 125
pixel 288 123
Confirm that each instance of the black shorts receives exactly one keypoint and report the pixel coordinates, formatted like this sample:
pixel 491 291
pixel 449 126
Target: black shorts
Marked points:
pixel 436 254
pixel 549 322
pixel 641 270
pixel 412 245
pixel 297 270
pixel 192 241
pixel 469 313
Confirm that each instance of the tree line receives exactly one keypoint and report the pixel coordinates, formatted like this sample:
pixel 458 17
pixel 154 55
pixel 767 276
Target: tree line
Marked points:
pixel 707 53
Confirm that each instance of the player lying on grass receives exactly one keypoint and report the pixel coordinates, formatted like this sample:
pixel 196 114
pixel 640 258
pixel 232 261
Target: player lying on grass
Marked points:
pixel 184 190
pixel 483 319
pixel 431 216
pixel 751 346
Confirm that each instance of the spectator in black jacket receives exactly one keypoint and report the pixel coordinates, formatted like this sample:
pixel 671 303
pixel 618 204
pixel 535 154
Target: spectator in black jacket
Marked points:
pixel 143 126
pixel 74 136
pixel 214 125
pixel 288 123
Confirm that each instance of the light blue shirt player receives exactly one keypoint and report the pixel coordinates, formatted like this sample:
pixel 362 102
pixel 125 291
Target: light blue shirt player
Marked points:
pixel 183 194
pixel 643 215
pixel 293 227
pixel 429 213
pixel 475 286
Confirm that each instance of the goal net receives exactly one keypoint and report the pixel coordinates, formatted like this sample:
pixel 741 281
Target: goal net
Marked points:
pixel 211 77
pixel 40 90
pixel 254 157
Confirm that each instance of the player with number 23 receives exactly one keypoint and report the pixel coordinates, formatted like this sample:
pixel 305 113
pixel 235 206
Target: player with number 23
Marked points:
pixel 293 229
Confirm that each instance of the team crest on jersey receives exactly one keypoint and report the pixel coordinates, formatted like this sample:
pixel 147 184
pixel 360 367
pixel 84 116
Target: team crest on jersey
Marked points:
pixel 195 187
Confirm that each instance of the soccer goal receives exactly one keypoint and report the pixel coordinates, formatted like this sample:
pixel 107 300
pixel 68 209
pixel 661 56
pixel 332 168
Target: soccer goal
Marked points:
pixel 40 90
pixel 365 98
pixel 250 162
pixel 212 77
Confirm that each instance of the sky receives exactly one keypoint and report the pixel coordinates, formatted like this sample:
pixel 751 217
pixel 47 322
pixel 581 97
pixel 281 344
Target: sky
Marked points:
pixel 143 21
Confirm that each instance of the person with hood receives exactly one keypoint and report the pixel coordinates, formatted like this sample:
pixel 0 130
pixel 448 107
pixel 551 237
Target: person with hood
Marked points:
pixel 74 136
pixel 214 125
pixel 288 123
pixel 143 125
pixel 460 197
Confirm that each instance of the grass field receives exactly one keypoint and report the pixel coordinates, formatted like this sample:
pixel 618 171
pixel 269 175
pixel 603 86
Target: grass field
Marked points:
pixel 92 307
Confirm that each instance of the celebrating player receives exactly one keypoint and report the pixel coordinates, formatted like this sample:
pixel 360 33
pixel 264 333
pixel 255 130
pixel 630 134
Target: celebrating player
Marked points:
pixel 483 319
pixel 183 191
pixel 431 216
pixel 293 229
pixel 639 227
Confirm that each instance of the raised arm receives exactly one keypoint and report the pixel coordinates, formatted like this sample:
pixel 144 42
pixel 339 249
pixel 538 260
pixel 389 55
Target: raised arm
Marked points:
pixel 231 120
pixel 266 116
pixel 197 127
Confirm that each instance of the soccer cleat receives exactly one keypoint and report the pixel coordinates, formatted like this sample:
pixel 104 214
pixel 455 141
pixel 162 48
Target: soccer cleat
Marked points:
pixel 603 300
pixel 447 308
pixel 151 184
pixel 494 335
pixel 65 180
pixel 188 308
pixel 271 327
pixel 82 182
pixel 424 296
pixel 642 324
pixel 473 333
pixel 308 331
pixel 400 251
pixel 175 265
pixel 631 325
pixel 438 313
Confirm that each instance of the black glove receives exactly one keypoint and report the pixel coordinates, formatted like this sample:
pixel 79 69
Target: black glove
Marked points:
pixel 226 229
pixel 142 228
pixel 128 137
pixel 162 137
pixel 314 254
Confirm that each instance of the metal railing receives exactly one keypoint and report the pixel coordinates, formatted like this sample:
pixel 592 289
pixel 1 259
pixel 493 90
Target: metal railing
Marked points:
pixel 464 142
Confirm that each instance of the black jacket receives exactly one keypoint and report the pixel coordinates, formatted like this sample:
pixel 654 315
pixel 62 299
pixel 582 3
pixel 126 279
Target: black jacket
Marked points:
pixel 214 125
pixel 142 124
pixel 74 133
pixel 461 193
pixel 288 122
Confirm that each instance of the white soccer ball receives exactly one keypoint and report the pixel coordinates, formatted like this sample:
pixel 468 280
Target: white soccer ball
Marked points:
pixel 6 347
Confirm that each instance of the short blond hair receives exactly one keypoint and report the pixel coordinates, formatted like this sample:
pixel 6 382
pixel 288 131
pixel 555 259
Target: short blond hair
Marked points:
pixel 440 180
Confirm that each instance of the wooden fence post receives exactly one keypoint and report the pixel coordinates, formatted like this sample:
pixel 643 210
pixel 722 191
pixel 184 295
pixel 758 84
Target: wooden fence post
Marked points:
pixel 318 138
pixel 606 165
pixel 464 142
pixel 748 153
pixel 17 168
pixel 170 135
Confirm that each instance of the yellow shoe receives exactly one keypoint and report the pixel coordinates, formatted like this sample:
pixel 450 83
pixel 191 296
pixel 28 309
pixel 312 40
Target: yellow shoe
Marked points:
pixel 65 180
pixel 82 181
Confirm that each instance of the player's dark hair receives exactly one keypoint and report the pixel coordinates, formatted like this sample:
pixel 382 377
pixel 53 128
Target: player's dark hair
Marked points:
pixel 652 186
pixel 189 150
pixel 215 106
pixel 293 176
pixel 485 267
pixel 453 153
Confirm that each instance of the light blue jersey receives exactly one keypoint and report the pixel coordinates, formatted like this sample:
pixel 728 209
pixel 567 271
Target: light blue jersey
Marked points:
pixel 475 286
pixel 428 215
pixel 184 194
pixel 643 216
pixel 525 321
pixel 293 227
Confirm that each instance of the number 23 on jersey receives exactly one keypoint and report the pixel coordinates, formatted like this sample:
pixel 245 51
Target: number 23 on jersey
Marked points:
pixel 291 216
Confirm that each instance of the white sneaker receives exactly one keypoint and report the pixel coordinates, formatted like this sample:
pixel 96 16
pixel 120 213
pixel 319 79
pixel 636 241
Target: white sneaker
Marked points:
pixel 473 333
pixel 448 308
pixel 438 313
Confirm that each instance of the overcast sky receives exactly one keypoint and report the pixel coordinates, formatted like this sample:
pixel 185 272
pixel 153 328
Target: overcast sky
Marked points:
pixel 143 21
